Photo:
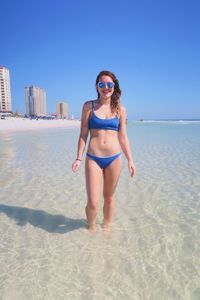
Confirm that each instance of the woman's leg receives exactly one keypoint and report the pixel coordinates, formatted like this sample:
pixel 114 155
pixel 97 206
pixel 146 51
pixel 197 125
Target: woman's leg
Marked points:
pixel 93 174
pixel 111 177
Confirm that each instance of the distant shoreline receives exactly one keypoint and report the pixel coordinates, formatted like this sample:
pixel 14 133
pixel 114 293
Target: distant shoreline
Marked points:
pixel 11 124
pixel 165 120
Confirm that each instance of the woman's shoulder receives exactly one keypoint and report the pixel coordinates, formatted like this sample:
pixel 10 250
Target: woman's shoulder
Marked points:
pixel 87 105
pixel 122 108
pixel 122 111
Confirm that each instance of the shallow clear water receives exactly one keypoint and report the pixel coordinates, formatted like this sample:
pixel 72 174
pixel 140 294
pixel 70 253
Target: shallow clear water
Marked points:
pixel 152 251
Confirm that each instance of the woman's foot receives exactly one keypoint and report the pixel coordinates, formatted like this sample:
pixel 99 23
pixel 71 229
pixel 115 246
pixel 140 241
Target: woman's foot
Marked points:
pixel 106 227
pixel 92 227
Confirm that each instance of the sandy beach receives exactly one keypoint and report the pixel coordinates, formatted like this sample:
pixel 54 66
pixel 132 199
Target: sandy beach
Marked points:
pixel 23 124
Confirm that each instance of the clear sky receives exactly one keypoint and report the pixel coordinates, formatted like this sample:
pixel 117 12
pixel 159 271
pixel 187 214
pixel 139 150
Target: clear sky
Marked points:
pixel 153 47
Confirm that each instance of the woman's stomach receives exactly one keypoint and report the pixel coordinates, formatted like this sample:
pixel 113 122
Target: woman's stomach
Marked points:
pixel 103 143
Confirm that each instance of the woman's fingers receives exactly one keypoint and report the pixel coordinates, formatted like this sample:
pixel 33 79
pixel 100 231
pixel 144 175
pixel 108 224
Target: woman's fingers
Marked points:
pixel 132 170
pixel 75 166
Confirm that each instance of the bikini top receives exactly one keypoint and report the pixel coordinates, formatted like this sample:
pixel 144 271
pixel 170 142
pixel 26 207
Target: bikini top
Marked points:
pixel 99 123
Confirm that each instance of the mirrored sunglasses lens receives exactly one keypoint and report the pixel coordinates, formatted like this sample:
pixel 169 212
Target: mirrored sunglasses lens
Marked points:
pixel 101 85
pixel 110 85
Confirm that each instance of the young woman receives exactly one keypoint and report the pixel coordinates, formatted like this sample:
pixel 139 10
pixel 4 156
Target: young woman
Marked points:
pixel 105 118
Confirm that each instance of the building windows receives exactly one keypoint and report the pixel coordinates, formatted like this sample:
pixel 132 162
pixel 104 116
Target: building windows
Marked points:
pixel 5 98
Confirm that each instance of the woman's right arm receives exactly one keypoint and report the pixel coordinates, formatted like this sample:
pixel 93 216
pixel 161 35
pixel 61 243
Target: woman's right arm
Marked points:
pixel 83 135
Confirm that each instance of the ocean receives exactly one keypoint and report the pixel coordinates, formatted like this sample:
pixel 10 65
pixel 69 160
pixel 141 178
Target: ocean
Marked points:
pixel 152 251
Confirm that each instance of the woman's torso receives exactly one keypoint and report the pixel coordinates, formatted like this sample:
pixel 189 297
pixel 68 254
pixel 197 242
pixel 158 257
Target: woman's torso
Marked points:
pixel 103 132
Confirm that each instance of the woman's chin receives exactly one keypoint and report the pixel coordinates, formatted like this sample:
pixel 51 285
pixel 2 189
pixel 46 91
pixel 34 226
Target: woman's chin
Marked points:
pixel 106 95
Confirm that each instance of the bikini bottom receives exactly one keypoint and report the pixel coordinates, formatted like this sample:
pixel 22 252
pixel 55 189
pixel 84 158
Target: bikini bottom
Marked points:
pixel 103 162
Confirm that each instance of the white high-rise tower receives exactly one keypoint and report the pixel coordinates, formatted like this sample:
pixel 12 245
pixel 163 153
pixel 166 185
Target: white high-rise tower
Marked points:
pixel 35 101
pixel 5 95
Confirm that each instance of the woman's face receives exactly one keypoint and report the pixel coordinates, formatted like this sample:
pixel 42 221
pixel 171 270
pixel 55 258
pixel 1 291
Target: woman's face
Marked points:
pixel 105 86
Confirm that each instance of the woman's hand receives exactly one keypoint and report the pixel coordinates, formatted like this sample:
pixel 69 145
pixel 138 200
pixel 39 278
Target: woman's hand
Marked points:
pixel 131 168
pixel 75 165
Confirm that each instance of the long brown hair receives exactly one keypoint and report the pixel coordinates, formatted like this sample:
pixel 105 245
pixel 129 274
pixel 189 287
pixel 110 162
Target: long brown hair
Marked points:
pixel 115 98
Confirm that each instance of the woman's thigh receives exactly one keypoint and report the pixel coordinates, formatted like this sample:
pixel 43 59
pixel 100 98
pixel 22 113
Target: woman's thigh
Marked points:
pixel 111 176
pixel 93 175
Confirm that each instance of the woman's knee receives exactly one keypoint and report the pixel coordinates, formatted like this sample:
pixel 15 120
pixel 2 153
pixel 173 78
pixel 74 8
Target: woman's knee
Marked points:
pixel 109 199
pixel 92 206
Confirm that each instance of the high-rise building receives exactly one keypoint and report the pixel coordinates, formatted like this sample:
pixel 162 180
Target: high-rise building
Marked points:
pixel 35 101
pixel 62 109
pixel 5 95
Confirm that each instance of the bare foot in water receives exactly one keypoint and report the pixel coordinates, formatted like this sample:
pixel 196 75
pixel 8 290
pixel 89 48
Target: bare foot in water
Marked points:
pixel 106 227
pixel 92 228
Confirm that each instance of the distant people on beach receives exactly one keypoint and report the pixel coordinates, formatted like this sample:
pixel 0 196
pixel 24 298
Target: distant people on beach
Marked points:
pixel 105 119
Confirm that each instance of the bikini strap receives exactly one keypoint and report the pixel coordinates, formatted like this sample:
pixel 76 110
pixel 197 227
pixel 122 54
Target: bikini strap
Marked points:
pixel 92 105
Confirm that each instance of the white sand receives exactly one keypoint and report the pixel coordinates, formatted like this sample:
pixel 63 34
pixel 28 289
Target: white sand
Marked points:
pixel 21 124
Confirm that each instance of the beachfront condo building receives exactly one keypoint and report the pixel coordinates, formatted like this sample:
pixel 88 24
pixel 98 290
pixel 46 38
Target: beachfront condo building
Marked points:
pixel 5 95
pixel 35 101
pixel 62 110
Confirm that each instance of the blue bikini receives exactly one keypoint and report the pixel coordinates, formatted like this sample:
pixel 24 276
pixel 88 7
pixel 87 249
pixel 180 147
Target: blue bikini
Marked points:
pixel 103 162
pixel 106 124
pixel 98 123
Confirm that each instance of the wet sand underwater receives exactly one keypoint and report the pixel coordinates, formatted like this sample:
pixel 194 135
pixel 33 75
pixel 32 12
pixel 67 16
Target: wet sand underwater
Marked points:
pixel 152 250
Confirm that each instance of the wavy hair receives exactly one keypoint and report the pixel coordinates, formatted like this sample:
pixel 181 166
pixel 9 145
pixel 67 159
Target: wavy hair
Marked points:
pixel 115 98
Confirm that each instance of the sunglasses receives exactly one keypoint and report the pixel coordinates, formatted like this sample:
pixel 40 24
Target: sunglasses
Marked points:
pixel 102 84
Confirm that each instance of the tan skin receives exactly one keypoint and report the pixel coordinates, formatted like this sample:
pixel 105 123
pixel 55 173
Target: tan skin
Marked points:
pixel 103 143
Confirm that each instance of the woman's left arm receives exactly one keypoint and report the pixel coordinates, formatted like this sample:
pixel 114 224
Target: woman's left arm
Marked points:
pixel 124 142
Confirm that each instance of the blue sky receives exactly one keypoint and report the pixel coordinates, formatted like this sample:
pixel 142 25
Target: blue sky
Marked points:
pixel 153 47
